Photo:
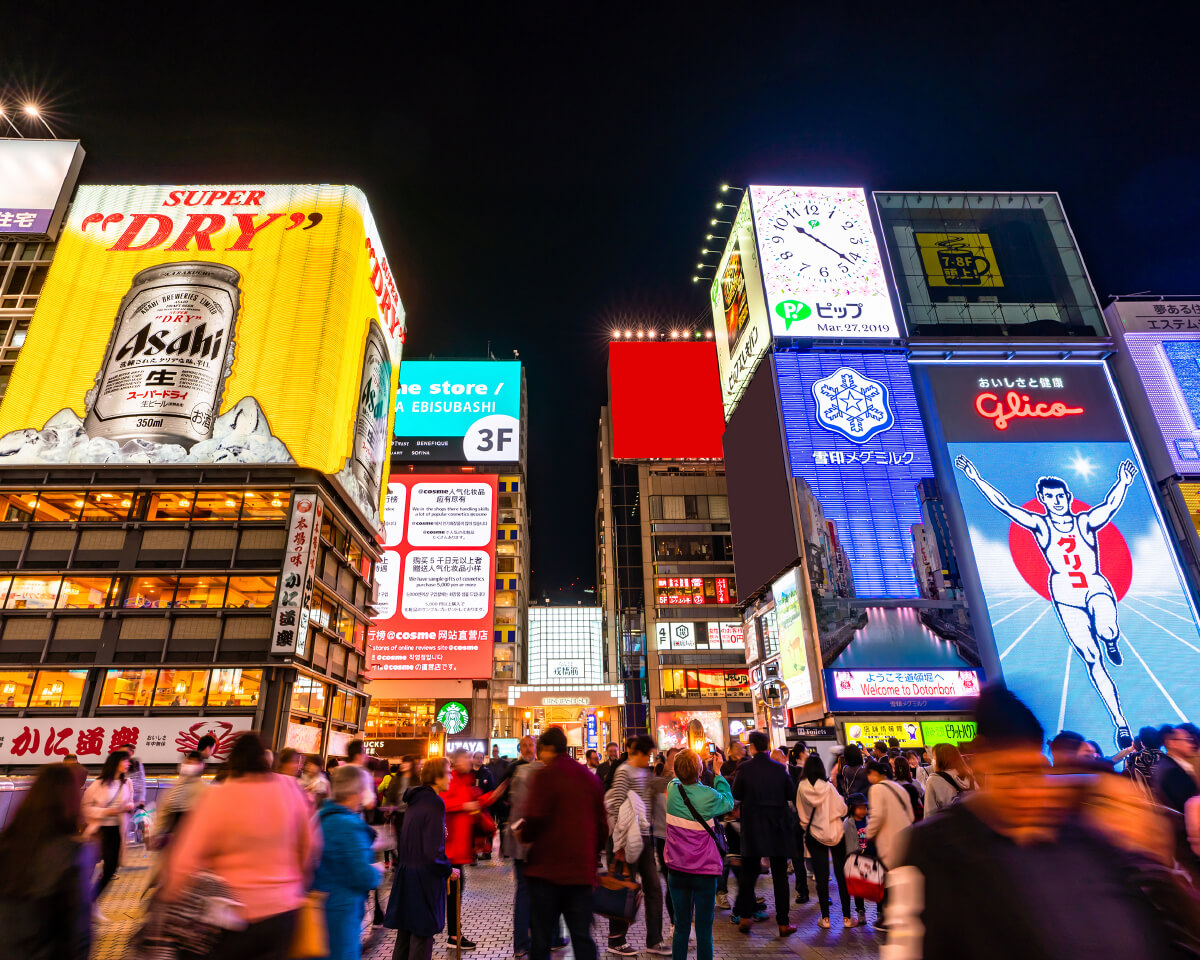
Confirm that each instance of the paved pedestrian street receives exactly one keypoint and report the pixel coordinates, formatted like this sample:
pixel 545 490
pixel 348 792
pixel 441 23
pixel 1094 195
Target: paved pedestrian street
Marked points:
pixel 487 912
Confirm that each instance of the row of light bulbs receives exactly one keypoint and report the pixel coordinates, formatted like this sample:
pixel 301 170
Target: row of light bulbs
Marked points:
pixel 720 205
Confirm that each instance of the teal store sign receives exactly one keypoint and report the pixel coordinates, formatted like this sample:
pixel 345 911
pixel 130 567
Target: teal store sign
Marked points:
pixel 458 411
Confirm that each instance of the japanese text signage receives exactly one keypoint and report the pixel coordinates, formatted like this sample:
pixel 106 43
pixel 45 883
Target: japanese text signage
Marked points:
pixel 458 411
pixel 39 740
pixel 948 731
pixel 743 332
pixel 226 324
pixel 435 579
pixel 908 732
pixel 1093 626
pixel 707 635
pixel 296 584
pixel 821 264
pixel 855 437
pixel 36 178
pixel 870 690
pixel 687 591
pixel 1162 339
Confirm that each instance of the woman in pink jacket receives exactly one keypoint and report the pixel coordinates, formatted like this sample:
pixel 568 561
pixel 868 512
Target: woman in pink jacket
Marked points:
pixel 255 832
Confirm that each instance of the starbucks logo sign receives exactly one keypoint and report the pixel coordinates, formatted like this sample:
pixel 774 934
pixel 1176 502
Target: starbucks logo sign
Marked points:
pixel 453 716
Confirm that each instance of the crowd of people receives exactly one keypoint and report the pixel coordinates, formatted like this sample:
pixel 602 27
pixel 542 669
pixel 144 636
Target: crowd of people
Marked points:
pixel 277 856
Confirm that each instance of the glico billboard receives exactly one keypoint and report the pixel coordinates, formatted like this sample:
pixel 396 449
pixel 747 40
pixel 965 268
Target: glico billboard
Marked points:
pixel 213 324
pixel 1092 623
pixel 435 579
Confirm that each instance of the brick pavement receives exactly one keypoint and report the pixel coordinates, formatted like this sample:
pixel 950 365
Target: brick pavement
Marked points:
pixel 487 912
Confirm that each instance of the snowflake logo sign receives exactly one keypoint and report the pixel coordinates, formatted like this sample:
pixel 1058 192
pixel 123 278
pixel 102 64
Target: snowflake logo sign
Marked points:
pixel 853 405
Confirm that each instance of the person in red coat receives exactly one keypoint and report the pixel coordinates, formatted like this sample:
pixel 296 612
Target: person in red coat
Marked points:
pixel 464 804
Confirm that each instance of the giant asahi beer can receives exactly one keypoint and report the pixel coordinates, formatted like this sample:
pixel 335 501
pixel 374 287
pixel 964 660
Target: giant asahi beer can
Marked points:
pixel 370 426
pixel 169 355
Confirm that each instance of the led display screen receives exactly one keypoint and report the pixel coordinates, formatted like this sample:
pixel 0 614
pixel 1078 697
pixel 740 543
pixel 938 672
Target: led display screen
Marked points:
pixel 821 264
pixel 791 614
pixel 435 578
pixel 1093 625
pixel 182 326
pixel 704 635
pixel 1163 341
pixel 870 691
pixel 674 727
pixel 455 411
pixel 665 401
pixel 692 591
pixel 855 439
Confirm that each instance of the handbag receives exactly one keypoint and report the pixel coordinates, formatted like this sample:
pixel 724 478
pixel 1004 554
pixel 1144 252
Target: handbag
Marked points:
pixel 617 898
pixel 310 936
pixel 717 838
pixel 865 877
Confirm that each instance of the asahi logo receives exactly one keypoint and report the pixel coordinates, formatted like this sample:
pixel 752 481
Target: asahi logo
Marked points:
pixel 193 343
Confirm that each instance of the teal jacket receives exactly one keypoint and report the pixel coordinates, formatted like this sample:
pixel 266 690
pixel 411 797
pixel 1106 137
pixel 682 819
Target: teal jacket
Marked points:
pixel 689 848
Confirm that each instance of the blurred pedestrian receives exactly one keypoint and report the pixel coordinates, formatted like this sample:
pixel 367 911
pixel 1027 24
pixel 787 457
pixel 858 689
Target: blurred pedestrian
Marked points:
pixel 691 853
pixel 485 840
pixel 566 828
pixel 1177 775
pixel 951 778
pixel 289 762
pixel 1147 754
pixel 764 790
pixel 891 812
pixel 416 909
pixel 821 810
pixel 136 777
pixel 1065 747
pixel 464 803
pixel 521 775
pixel 663 775
pixel 314 782
pixel 1015 865
pixel 902 775
pixel 255 832
pixel 346 871
pixel 796 760
pixel 179 800
pixel 107 803
pixel 46 872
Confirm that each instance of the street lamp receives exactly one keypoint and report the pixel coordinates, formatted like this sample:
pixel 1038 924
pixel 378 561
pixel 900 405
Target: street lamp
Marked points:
pixel 11 124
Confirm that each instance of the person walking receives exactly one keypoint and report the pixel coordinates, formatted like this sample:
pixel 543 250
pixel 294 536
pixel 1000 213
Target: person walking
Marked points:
pixel 464 801
pixel 45 873
pixel 891 812
pixel 255 832
pixel 852 775
pixel 416 908
pixel 951 778
pixel 1177 776
pixel 764 790
pixel 174 807
pixel 902 775
pixel 822 809
pixel 796 759
pixel 854 828
pixel 107 803
pixel 634 777
pixel 136 776
pixel 314 782
pixel 346 871
pixel 691 852
pixel 664 773
pixel 520 774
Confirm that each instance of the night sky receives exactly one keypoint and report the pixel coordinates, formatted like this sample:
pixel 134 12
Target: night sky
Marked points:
pixel 541 172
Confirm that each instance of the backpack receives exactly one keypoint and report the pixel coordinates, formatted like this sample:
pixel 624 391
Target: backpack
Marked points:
pixel 914 798
pixel 959 792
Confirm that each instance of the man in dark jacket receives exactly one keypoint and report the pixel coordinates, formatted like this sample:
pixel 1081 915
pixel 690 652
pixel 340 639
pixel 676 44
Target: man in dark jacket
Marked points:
pixel 1175 775
pixel 764 789
pixel 611 753
pixel 1015 859
pixel 566 828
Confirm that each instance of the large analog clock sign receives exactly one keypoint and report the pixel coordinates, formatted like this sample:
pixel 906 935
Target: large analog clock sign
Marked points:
pixel 821 265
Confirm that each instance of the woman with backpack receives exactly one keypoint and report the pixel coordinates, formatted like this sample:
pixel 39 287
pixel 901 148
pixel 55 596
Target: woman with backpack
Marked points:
pixel 852 777
pixel 821 809
pixel 903 776
pixel 950 778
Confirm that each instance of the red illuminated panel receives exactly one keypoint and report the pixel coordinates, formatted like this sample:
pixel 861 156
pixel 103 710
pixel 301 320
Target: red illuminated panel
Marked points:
pixel 665 401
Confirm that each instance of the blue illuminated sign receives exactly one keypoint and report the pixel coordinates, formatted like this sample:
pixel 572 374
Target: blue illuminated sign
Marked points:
pixel 855 437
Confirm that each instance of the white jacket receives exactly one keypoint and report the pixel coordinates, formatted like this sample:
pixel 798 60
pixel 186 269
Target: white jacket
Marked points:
pixel 632 825
pixel 821 809
pixel 104 805
pixel 890 814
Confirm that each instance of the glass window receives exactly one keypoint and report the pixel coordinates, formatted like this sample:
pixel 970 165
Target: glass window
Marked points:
pixel 322 610
pixel 170 505
pixel 84 593
pixel 200 592
pixel 15 687
pixel 326 527
pixel 17 507
pixel 251 592
pixel 354 554
pixel 33 593
pixel 108 505
pixel 150 592
pixel 339 704
pixel 316 703
pixel 340 539
pixel 344 627
pixel 58 688
pixel 180 688
pixel 127 688
pixel 266 505
pixel 234 688
pixel 217 505
pixel 360 634
pixel 59 505
pixel 308 695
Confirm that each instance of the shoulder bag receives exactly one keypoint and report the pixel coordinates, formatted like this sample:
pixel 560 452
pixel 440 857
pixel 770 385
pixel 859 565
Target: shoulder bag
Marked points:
pixel 717 838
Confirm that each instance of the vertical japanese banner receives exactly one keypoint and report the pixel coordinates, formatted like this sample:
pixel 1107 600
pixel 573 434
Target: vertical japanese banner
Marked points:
pixel 436 578
pixel 295 584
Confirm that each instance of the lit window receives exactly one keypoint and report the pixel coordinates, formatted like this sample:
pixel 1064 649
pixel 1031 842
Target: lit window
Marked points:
pixel 15 687
pixel 339 704
pixel 84 593
pixel 17 507
pixel 32 593
pixel 180 688
pixel 170 505
pixel 266 505
pixel 58 688
pixel 308 695
pixel 59 505
pixel 251 592
pixel 197 593
pixel 110 505
pixel 150 592
pixel 217 505
pixel 234 688
pixel 127 688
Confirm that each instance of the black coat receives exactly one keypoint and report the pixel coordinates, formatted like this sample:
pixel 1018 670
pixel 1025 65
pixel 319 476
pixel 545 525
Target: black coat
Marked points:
pixel 1173 785
pixel 418 899
pixel 764 789
pixel 52 920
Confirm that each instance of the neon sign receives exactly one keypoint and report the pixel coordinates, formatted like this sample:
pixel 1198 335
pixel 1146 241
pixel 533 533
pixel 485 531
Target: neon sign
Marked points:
pixel 1018 406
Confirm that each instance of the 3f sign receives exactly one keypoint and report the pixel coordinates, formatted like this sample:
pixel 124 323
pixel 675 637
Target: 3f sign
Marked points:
pixel 494 437
pixel 503 436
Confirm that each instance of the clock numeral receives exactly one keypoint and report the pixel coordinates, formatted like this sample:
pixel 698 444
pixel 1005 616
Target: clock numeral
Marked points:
pixel 777 239
pixel 845 269
pixel 786 255
pixel 854 256
pixel 803 267
pixel 856 239
pixel 824 271
pixel 848 225
pixel 781 222
pixel 810 208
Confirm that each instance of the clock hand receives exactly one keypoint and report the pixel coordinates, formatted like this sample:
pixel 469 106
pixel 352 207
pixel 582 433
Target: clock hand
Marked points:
pixel 800 229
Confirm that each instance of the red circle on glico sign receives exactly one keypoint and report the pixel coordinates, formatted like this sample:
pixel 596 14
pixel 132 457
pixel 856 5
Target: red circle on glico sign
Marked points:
pixel 1116 563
